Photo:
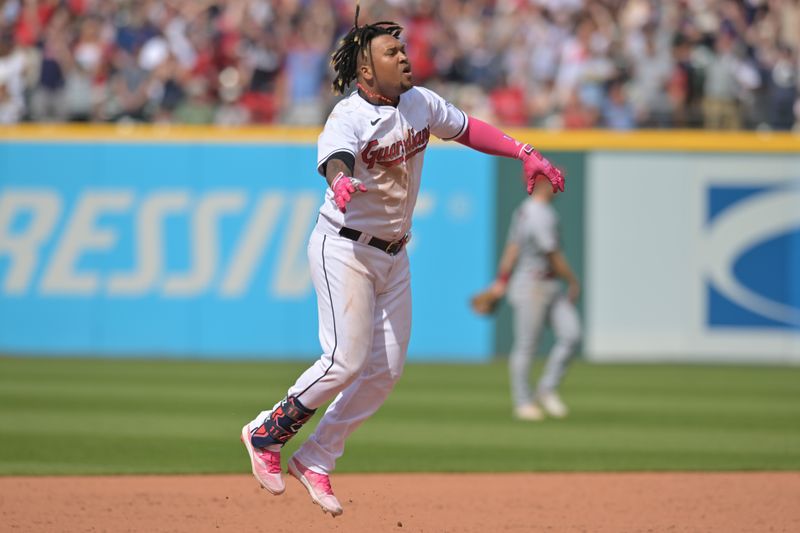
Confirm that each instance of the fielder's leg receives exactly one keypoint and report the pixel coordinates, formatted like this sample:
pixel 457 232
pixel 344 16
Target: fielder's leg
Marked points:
pixel 530 310
pixel 567 328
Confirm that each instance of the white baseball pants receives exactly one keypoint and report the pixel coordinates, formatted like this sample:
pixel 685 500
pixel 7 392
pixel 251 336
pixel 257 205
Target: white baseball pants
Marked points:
pixel 364 308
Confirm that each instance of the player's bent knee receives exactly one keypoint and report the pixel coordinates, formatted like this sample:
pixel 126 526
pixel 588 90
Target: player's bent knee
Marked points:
pixel 391 376
pixel 395 375
pixel 570 337
pixel 570 343
pixel 395 369
pixel 348 370
pixel 386 376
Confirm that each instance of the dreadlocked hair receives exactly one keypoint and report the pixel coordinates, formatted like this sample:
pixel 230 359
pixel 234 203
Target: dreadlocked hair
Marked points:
pixel 357 41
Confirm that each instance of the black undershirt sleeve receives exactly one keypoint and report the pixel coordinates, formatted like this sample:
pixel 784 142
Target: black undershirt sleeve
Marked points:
pixel 345 157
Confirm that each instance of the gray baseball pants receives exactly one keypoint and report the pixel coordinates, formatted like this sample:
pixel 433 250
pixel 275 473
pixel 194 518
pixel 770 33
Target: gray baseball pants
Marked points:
pixel 533 306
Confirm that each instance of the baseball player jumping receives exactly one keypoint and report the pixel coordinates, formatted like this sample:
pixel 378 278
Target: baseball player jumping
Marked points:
pixel 370 152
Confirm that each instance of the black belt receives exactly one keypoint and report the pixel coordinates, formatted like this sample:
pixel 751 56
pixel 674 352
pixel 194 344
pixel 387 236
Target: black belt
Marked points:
pixel 391 248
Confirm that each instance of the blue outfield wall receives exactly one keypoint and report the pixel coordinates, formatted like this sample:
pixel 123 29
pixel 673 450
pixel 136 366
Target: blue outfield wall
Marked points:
pixel 199 250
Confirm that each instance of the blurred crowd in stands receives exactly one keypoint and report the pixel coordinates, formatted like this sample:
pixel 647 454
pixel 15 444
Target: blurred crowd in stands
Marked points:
pixel 563 64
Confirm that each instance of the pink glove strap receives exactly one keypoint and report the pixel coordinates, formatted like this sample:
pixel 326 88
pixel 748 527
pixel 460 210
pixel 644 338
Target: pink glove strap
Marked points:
pixel 487 139
pixel 336 180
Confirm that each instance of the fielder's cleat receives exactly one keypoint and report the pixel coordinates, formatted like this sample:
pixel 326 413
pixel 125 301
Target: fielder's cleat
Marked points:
pixel 529 412
pixel 318 486
pixel 552 405
pixel 266 464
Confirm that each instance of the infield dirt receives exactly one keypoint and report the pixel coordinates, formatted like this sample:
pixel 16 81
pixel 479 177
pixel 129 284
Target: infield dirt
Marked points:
pixel 486 503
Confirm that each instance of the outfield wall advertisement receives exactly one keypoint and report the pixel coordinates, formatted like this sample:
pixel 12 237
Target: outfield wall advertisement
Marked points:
pixel 200 250
pixel 192 243
pixel 693 257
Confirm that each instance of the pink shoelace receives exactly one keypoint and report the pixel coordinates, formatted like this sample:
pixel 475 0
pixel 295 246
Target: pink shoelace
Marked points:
pixel 272 460
pixel 321 482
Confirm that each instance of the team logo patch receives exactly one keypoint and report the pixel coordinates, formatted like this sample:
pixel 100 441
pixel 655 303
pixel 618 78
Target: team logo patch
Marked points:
pixel 752 256
pixel 397 152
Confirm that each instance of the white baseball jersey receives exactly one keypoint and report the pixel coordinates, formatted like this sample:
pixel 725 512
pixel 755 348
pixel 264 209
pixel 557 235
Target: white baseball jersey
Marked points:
pixel 388 144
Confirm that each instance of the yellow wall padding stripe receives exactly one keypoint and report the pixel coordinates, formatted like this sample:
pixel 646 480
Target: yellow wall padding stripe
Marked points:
pixel 157 133
pixel 651 140
pixel 639 140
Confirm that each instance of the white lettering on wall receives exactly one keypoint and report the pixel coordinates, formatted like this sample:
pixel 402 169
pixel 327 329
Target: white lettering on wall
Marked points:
pixel 251 246
pixel 47 250
pixel 83 235
pixel 205 243
pixel 294 277
pixel 149 233
pixel 23 248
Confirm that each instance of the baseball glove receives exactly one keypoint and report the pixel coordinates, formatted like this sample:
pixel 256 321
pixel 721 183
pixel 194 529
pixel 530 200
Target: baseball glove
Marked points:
pixel 485 302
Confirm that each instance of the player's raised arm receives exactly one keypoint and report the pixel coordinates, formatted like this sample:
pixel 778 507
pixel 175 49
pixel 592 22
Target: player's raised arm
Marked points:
pixel 487 139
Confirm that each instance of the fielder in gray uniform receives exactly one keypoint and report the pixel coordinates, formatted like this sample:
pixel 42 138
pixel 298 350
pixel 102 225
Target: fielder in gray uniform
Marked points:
pixel 530 274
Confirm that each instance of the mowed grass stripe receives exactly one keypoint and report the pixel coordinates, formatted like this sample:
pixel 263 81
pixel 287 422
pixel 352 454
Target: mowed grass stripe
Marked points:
pixel 85 416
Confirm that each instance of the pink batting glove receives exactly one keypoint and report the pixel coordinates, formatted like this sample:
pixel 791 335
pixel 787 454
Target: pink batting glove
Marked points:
pixel 534 165
pixel 343 188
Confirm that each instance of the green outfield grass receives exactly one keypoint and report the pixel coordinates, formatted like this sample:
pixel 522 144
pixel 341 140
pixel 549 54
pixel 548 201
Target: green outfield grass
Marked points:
pixel 142 416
